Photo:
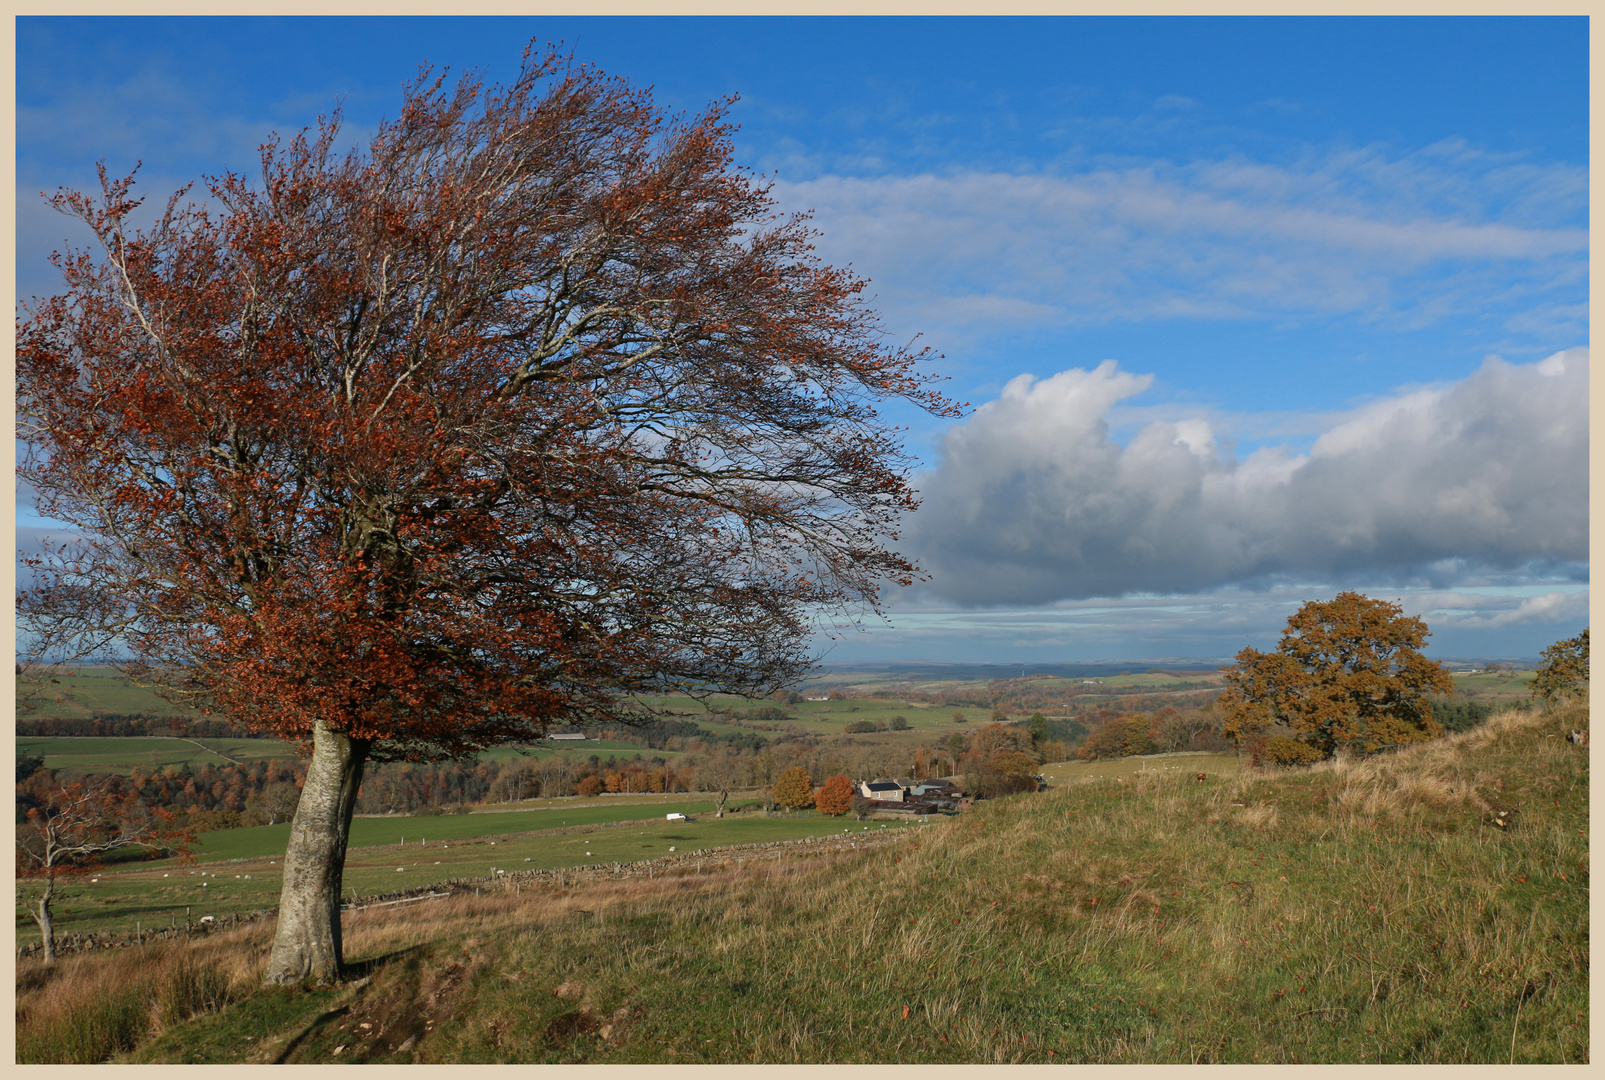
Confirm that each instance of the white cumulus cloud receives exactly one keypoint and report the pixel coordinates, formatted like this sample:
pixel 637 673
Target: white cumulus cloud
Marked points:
pixel 1033 501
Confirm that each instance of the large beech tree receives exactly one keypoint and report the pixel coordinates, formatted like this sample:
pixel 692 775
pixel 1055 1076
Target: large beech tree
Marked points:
pixel 532 402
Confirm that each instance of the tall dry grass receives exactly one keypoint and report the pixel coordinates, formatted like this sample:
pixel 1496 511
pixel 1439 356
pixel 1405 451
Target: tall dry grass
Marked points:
pixel 88 1007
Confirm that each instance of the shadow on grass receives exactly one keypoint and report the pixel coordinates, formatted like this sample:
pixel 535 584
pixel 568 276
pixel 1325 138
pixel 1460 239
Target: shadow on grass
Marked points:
pixel 362 970
pixel 354 976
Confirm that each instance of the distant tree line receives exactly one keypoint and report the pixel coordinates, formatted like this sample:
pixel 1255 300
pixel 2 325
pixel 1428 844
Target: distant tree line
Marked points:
pixel 669 733
pixel 206 796
pixel 1460 715
pixel 1166 731
pixel 124 725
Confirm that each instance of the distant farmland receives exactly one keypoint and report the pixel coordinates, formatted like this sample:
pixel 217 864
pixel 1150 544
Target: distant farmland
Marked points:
pixel 100 691
pixel 120 755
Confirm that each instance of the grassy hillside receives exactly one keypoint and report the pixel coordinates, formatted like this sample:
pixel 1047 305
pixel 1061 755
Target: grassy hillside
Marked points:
pixel 1187 763
pixel 1366 912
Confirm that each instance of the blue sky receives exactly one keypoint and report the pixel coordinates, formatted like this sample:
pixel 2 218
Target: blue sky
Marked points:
pixel 1251 310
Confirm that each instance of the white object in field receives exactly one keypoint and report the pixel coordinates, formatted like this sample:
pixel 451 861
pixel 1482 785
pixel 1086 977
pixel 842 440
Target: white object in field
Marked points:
pixel 208 918
pixel 671 847
pixel 676 817
pixel 399 869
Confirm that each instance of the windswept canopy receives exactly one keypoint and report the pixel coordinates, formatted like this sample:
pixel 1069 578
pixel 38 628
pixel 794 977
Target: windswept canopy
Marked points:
pixel 533 400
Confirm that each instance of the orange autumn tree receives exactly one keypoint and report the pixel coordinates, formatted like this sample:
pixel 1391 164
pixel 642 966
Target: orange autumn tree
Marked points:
pixel 1348 672
pixel 835 796
pixel 531 402
pixel 793 789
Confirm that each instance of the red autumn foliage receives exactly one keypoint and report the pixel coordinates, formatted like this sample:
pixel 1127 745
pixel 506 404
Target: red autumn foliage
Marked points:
pixel 836 796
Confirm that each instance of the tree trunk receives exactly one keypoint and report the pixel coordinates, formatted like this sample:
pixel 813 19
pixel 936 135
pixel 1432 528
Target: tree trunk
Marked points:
pixel 46 928
pixel 307 943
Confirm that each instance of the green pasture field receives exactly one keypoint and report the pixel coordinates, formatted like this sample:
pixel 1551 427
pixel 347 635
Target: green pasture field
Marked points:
pixel 603 747
pixel 1496 687
pixel 718 727
pixel 1064 772
pixel 156 893
pixel 1157 680
pixel 263 841
pixel 614 799
pixel 97 691
pixel 121 754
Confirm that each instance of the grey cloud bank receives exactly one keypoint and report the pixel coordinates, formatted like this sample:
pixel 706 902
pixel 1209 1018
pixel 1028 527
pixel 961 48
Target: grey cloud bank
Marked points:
pixel 1033 501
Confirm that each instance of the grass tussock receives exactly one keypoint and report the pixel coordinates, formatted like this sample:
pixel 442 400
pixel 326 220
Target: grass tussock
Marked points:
pixel 88 1007
pixel 1370 911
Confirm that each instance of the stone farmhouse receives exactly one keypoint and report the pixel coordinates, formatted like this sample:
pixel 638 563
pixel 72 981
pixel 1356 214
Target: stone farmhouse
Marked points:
pixel 900 797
